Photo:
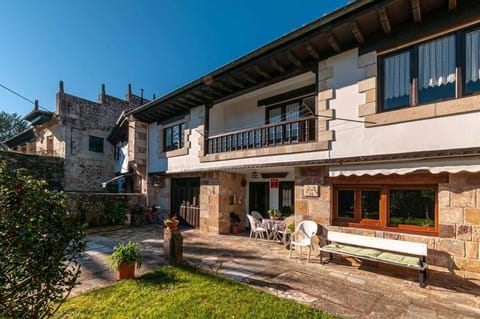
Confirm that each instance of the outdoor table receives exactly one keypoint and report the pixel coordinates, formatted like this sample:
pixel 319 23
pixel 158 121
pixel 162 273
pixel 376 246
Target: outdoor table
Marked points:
pixel 272 225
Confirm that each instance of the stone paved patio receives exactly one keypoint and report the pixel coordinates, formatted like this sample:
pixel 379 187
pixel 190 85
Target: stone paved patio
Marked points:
pixel 341 288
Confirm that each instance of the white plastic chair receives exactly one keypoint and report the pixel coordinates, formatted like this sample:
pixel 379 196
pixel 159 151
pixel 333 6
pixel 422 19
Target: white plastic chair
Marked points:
pixel 282 231
pixel 257 215
pixel 303 235
pixel 256 228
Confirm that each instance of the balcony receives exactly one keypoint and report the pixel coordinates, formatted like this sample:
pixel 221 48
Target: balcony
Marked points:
pixel 301 130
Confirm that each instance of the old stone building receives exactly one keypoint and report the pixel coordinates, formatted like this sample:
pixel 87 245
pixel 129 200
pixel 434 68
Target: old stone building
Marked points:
pixel 76 131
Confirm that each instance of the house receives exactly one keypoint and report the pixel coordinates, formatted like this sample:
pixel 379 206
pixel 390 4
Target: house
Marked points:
pixel 365 121
pixel 76 131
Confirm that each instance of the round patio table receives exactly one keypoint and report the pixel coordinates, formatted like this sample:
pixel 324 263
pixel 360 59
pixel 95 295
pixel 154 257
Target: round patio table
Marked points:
pixel 272 225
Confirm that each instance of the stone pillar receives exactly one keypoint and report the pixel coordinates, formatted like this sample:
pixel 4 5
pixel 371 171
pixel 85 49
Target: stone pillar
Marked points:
pixel 173 246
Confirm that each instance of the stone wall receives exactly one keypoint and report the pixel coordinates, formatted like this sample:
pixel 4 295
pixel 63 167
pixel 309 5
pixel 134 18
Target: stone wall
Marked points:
pixel 91 207
pixel 217 189
pixel 46 168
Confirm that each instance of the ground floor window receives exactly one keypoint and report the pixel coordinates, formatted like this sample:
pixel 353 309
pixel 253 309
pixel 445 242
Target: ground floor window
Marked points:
pixel 412 208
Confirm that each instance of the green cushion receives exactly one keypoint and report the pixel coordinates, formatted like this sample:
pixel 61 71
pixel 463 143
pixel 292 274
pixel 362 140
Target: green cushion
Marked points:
pixel 373 253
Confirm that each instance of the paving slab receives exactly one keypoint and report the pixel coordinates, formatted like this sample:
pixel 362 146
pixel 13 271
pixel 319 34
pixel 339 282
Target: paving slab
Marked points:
pixel 343 288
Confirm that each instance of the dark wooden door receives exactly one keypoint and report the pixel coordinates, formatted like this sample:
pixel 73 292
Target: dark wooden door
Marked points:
pixel 259 197
pixel 185 200
pixel 286 198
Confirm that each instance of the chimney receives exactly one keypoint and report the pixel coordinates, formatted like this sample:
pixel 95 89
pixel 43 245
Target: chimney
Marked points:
pixel 141 96
pixel 103 88
pixel 60 86
pixel 129 88
pixel 36 105
pixel 154 97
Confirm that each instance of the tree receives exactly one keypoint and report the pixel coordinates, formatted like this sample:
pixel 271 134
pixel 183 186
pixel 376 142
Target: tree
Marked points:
pixel 40 244
pixel 11 124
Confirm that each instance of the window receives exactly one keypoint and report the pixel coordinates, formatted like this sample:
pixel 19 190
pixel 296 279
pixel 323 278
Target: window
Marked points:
pixel 421 74
pixel 174 137
pixel 472 62
pixel 95 144
pixel 412 208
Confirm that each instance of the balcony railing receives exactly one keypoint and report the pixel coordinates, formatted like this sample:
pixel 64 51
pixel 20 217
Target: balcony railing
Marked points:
pixel 296 131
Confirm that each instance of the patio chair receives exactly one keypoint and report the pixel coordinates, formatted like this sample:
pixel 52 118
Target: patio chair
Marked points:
pixel 257 215
pixel 303 235
pixel 256 228
pixel 282 231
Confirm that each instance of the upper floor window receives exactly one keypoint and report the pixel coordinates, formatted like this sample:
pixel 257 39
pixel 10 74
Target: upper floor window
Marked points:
pixel 421 74
pixel 472 61
pixel 95 144
pixel 174 137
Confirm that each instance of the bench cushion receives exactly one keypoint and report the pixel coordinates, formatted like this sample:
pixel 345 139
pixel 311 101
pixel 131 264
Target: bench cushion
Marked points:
pixel 374 254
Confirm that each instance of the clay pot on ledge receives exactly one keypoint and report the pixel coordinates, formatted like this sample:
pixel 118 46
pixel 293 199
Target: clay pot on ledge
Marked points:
pixel 171 223
pixel 126 270
pixel 235 229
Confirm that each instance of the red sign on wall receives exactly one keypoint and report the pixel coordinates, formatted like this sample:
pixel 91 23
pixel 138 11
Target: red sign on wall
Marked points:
pixel 274 183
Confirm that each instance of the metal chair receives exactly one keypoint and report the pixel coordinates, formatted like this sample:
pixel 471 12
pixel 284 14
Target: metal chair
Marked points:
pixel 303 235
pixel 256 228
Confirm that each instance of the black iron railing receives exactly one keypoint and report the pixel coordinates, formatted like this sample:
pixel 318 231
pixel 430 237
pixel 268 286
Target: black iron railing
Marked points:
pixel 300 130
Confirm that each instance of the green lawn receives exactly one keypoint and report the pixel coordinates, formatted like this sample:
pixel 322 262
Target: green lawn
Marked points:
pixel 182 293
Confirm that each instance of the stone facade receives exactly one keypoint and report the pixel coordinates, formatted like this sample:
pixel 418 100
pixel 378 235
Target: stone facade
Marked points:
pixel 47 168
pixel 220 194
pixel 90 207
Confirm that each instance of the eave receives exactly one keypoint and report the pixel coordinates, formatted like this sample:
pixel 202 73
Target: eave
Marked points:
pixel 357 24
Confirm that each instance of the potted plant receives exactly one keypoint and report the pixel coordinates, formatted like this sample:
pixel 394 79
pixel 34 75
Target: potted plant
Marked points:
pixel 274 213
pixel 235 222
pixel 124 258
pixel 171 222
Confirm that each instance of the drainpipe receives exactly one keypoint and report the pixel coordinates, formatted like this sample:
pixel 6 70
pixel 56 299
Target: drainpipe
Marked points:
pixel 147 160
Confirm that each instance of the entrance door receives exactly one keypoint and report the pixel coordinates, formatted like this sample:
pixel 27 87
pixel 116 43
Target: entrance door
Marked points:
pixel 185 200
pixel 259 197
pixel 286 198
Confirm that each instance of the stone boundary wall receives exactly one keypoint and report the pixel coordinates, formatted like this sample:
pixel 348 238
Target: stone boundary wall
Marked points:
pixel 91 207
pixel 46 168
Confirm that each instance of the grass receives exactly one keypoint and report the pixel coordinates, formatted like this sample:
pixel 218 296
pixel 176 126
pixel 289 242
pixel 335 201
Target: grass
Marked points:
pixel 182 293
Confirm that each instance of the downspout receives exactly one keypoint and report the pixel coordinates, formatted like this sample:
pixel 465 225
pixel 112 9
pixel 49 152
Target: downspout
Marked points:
pixel 147 160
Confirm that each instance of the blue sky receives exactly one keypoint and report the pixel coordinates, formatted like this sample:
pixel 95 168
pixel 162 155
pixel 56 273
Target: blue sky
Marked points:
pixel 155 45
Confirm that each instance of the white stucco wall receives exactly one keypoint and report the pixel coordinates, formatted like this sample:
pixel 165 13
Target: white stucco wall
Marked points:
pixel 350 139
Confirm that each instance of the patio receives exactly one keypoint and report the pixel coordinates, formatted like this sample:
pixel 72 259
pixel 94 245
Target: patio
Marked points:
pixel 339 288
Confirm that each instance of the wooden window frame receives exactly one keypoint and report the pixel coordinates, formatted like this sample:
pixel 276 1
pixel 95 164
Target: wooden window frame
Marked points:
pixel 181 142
pixel 414 92
pixel 383 222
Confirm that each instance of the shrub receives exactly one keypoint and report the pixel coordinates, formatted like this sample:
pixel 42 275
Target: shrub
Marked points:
pixel 115 214
pixel 39 247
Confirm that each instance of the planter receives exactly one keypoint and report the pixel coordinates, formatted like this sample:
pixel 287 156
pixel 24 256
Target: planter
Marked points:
pixel 126 270
pixel 172 224
pixel 235 229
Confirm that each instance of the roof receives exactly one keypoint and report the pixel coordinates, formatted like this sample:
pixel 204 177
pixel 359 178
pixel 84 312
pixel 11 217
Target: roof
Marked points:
pixel 295 53
pixel 20 138
pixel 38 117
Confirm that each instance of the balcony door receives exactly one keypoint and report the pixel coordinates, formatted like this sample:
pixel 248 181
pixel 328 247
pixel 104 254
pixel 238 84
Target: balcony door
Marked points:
pixel 259 197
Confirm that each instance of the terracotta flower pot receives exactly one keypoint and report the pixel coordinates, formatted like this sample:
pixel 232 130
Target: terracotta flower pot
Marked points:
pixel 235 229
pixel 126 270
pixel 172 224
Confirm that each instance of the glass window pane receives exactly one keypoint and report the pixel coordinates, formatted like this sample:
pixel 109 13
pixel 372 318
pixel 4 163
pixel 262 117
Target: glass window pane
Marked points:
pixel 412 207
pixel 182 135
pixel 292 111
pixel 371 205
pixel 175 137
pixel 274 115
pixel 168 138
pixel 346 203
pixel 472 61
pixel 396 75
pixel 436 70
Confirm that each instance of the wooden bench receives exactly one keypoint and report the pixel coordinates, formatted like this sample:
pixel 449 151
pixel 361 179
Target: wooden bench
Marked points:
pixel 395 252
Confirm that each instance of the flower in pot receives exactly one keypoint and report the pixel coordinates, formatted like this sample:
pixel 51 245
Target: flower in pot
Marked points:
pixel 235 222
pixel 274 213
pixel 171 223
pixel 124 258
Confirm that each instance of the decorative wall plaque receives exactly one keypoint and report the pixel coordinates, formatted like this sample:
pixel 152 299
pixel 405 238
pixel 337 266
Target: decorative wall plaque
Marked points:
pixel 310 190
